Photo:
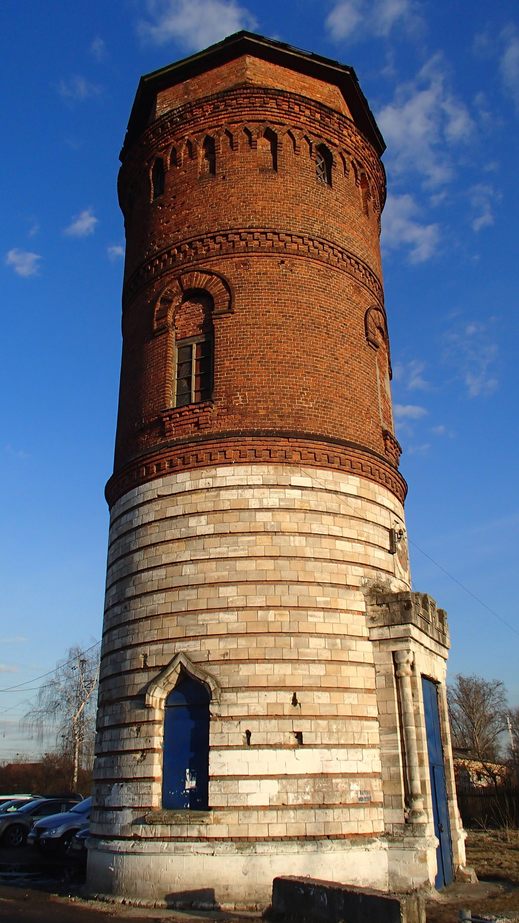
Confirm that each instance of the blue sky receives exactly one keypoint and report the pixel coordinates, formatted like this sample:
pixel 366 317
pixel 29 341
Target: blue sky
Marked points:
pixel 442 77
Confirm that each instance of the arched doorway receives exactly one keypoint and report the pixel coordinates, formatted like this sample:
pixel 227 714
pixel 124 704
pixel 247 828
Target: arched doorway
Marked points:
pixel 185 777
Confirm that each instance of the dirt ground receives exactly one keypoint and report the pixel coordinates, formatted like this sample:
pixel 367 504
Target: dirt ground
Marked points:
pixel 494 856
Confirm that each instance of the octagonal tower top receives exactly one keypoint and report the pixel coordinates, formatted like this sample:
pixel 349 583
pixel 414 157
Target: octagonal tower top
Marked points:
pixel 324 79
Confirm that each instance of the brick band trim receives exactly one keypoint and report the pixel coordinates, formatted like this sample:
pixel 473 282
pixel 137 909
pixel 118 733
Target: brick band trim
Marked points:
pixel 233 448
pixel 237 241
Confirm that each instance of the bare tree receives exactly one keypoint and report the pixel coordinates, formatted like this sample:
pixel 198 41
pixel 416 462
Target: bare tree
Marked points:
pixel 478 713
pixel 68 700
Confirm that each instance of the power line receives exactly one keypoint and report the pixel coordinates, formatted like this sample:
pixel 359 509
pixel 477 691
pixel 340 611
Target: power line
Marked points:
pixel 35 679
pixel 465 588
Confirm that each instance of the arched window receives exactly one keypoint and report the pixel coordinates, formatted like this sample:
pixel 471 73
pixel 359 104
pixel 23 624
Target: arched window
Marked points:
pixel 323 164
pixel 268 150
pixel 157 178
pixel 208 165
pixel 193 380
pixel 185 767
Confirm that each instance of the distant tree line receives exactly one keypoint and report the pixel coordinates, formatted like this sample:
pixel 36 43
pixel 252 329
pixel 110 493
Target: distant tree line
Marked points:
pixel 485 739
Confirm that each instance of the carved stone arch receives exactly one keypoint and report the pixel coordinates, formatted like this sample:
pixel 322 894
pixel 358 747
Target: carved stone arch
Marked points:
pixel 159 688
pixel 209 282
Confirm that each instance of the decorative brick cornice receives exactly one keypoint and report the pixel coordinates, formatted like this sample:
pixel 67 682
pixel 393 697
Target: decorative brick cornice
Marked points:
pixel 259 104
pixel 238 241
pixel 261 448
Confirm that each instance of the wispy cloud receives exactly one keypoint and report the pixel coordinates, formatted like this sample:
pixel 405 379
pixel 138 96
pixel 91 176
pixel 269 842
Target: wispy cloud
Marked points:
pixel 410 375
pixel 503 47
pixel 193 23
pixel 98 48
pixel 13 639
pixel 409 412
pixel 8 668
pixel 401 228
pixel 359 19
pixel 83 224
pixel 24 262
pixel 472 353
pixel 421 448
pixel 77 89
pixel 509 63
pixel 423 125
pixel 482 197
pixel 115 252
pixel 12 452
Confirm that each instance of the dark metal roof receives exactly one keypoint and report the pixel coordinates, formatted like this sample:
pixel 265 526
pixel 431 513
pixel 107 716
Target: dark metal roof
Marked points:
pixel 242 43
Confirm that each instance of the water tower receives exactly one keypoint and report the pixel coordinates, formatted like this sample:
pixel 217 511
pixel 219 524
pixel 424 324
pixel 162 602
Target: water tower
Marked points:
pixel 272 696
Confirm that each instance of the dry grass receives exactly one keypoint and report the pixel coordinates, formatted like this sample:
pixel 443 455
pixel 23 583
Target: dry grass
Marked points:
pixel 494 855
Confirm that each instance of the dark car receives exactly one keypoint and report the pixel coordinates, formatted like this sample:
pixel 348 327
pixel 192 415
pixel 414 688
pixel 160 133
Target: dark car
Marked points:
pixel 57 831
pixel 15 826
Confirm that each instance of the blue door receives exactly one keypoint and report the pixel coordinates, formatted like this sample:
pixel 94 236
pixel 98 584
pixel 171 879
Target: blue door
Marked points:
pixel 442 828
pixel 185 775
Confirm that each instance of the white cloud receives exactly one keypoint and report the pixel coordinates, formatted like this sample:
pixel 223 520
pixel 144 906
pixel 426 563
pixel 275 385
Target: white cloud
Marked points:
pixel 420 449
pixel 482 197
pixel 509 63
pixel 472 354
pixel 77 88
pixel 409 412
pixel 401 228
pixel 410 375
pixel 193 23
pixel 98 48
pixel 14 639
pixel 23 262
pixel 423 124
pixel 82 225
pixel 7 668
pixel 356 19
pixel 115 251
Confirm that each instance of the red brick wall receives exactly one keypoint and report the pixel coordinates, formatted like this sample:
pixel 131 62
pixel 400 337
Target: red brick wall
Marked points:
pixel 301 260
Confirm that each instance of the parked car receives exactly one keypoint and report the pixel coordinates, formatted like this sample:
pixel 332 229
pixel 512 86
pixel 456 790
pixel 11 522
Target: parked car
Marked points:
pixel 15 826
pixel 5 798
pixel 7 807
pixel 57 831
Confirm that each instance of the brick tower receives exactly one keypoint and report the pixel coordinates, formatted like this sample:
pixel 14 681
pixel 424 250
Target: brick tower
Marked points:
pixel 268 678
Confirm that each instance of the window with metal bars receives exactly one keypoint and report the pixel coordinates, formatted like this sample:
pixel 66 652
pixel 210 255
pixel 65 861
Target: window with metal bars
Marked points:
pixel 323 164
pixel 194 370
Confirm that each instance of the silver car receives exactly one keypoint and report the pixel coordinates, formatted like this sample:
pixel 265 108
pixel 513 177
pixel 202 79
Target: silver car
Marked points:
pixel 57 831
pixel 15 826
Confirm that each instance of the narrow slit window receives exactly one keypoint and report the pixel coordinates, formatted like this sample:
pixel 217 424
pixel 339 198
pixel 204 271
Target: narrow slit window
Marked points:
pixel 268 150
pixel 194 370
pixel 323 164
pixel 209 157
pixel 157 178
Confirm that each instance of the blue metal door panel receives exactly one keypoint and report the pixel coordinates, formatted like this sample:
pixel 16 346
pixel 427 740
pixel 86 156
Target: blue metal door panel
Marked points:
pixel 185 780
pixel 440 806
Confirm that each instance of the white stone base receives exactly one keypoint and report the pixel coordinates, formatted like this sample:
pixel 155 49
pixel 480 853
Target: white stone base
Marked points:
pixel 228 874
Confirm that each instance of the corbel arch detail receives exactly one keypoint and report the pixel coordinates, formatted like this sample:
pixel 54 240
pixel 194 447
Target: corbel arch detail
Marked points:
pixel 375 327
pixel 159 688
